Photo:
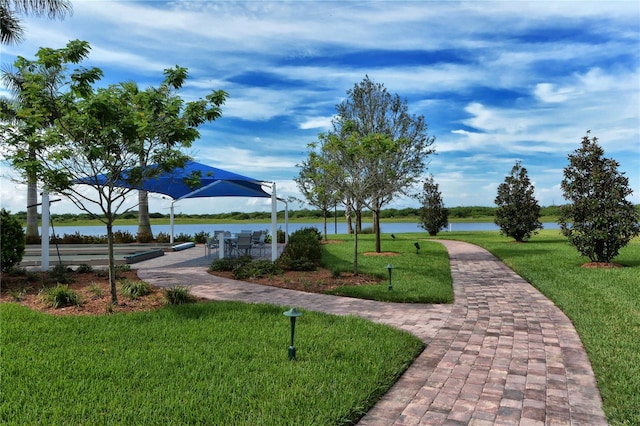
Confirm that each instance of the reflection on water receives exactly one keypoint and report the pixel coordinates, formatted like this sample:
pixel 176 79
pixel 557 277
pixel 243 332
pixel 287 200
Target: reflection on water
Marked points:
pixel 340 228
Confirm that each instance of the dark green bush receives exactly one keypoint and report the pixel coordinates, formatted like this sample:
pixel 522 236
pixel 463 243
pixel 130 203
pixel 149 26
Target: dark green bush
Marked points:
pixel 60 296
pixel 302 264
pixel 256 269
pixel 178 295
pixel 12 242
pixel 123 237
pixel 303 244
pixel 134 289
pixel 182 238
pixel 60 274
pixel 84 269
pixel 163 237
pixel 228 264
pixel 200 237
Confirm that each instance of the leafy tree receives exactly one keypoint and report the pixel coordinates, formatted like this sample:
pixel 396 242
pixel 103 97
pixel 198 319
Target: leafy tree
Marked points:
pixel 389 145
pixel 316 185
pixel 346 166
pixel 165 125
pixel 96 141
pixel 11 241
pixel 433 215
pixel 599 220
pixel 518 212
pixel 11 30
pixel 38 87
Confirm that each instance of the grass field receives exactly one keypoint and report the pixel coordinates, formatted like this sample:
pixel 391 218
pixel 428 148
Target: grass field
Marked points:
pixel 603 304
pixel 422 277
pixel 226 362
pixel 209 363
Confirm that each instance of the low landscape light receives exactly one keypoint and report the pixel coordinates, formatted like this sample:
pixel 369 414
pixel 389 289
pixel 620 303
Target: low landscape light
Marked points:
pixel 292 313
pixel 389 268
pixel 417 245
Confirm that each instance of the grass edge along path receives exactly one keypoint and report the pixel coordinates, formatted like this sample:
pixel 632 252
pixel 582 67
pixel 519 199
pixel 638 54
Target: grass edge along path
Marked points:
pixel 603 304
pixel 206 363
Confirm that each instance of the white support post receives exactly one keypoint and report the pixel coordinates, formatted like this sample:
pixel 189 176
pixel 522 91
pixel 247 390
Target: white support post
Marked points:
pixel 171 222
pixel 274 220
pixel 286 222
pixel 44 263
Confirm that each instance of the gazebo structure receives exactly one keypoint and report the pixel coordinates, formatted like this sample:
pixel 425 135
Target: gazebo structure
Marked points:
pixel 178 185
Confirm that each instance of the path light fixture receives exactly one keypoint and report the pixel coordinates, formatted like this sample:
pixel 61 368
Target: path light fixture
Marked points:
pixel 417 247
pixel 292 313
pixel 393 237
pixel 389 268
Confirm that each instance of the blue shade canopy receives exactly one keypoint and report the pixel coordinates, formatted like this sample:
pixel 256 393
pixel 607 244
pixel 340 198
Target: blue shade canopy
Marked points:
pixel 214 182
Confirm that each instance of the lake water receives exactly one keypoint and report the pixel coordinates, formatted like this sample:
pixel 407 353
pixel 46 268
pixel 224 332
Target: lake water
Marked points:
pixel 191 229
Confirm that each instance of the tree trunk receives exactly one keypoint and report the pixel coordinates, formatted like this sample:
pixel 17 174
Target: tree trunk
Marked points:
pixel 324 214
pixel 359 220
pixel 355 252
pixel 376 229
pixel 112 262
pixel 145 235
pixel 32 235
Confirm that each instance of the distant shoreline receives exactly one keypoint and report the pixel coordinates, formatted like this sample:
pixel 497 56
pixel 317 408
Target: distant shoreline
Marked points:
pixel 330 221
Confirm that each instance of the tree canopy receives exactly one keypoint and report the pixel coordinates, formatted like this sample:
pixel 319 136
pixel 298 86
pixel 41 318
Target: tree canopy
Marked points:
pixel 39 87
pixel 599 220
pixel 377 149
pixel 105 136
pixel 518 211
pixel 316 183
pixel 433 215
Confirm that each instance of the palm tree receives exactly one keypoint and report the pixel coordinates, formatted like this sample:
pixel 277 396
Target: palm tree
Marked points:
pixel 11 31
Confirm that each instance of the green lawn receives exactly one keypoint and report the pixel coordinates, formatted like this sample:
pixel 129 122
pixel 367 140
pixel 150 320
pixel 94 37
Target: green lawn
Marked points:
pixel 226 363
pixel 422 277
pixel 604 305
pixel 209 363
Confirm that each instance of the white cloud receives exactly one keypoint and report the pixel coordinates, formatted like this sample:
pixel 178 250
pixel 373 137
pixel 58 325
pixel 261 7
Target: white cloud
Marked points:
pixel 317 123
pixel 496 81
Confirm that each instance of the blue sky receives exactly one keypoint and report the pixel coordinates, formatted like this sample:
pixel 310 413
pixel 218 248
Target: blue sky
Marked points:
pixel 496 81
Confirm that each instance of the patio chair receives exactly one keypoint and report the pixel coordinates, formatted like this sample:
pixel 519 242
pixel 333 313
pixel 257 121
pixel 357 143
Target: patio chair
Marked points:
pixel 210 244
pixel 258 241
pixel 243 245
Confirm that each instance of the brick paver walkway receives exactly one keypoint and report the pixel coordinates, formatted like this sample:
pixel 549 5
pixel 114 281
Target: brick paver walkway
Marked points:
pixel 501 354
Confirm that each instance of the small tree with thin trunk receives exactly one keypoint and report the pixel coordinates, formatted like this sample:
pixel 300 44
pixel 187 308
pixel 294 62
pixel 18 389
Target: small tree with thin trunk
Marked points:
pixel 518 212
pixel 433 215
pixel 316 184
pixel 392 146
pixel 599 220
pixel 99 138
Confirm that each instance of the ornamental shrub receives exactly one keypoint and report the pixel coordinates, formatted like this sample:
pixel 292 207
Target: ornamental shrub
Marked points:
pixel 60 296
pixel 12 241
pixel 599 219
pixel 518 212
pixel 178 295
pixel 135 289
pixel 433 215
pixel 303 247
